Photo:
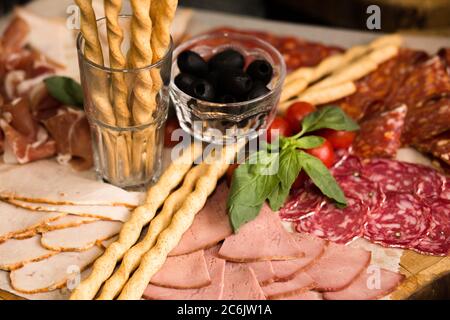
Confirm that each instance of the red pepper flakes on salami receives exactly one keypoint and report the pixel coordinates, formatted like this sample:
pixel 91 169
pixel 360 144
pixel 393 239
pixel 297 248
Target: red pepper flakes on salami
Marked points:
pixel 437 239
pixel 380 136
pixel 400 221
pixel 303 202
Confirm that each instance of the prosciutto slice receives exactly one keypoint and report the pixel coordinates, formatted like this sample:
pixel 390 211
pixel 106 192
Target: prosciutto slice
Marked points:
pixel 369 285
pixel 214 291
pixel 188 271
pixel 62 186
pixel 80 238
pixel 15 253
pixel 338 267
pixel 300 283
pixel 241 283
pixel 211 225
pixel 263 238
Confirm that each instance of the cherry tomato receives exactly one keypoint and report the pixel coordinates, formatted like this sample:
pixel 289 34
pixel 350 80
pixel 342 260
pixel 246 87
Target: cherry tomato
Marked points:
pixel 300 181
pixel 171 125
pixel 338 139
pixel 229 173
pixel 325 153
pixel 280 124
pixel 295 114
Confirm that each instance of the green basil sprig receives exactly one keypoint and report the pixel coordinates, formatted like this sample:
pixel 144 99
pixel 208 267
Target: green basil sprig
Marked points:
pixel 65 90
pixel 269 174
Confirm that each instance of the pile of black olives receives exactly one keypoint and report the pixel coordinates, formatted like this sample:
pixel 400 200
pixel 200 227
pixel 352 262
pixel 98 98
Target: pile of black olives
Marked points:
pixel 223 78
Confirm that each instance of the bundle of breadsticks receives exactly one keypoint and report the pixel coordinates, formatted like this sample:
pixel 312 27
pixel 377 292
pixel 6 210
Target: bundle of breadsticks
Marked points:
pixel 334 77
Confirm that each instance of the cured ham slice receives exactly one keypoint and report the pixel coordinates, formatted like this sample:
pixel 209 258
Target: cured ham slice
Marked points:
pixel 263 238
pixel 313 248
pixel 67 221
pixel 118 213
pixel 187 271
pixel 62 186
pixel 15 221
pixel 307 295
pixel 300 283
pixel 263 271
pixel 214 291
pixel 52 273
pixel 80 238
pixel 15 253
pixel 211 225
pixel 338 267
pixel 241 283
pixel 368 286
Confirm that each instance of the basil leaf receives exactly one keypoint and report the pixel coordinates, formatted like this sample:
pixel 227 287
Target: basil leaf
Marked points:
pixel 322 178
pixel 309 142
pixel 241 214
pixel 290 167
pixel 278 196
pixel 331 117
pixel 65 90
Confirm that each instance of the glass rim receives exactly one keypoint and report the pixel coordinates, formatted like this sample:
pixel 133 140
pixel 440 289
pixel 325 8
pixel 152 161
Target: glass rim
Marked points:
pixel 80 38
pixel 227 34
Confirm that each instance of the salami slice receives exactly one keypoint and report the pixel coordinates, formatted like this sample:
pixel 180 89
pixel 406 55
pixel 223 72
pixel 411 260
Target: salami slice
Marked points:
pixel 446 192
pixel 400 221
pixel 438 146
pixel 437 239
pixel 366 191
pixel 304 202
pixel 348 165
pixel 335 224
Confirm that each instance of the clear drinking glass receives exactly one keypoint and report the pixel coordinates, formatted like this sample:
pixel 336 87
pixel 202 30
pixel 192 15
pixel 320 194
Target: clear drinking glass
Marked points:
pixel 127 153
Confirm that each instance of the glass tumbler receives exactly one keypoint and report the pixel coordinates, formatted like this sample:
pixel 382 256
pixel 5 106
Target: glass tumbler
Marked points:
pixel 126 110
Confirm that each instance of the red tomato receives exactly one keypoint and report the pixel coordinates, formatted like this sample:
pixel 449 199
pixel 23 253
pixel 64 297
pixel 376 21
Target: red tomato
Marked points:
pixel 338 139
pixel 229 173
pixel 171 125
pixel 295 114
pixel 280 124
pixel 325 153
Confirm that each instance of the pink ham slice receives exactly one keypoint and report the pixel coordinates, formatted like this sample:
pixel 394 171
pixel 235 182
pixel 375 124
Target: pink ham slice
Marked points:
pixel 263 238
pixel 241 283
pixel 188 271
pixel 300 283
pixel 263 271
pixel 368 286
pixel 214 291
pixel 338 267
pixel 313 248
pixel 307 295
pixel 211 225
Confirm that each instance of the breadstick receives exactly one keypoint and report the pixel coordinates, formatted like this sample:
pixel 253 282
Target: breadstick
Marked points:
pixel 153 260
pixel 104 266
pixel 132 258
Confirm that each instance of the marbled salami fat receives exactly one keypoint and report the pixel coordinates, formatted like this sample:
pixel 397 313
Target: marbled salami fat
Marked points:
pixel 303 202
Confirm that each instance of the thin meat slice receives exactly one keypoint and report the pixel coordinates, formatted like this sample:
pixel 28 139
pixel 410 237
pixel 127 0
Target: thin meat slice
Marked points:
pixel 348 166
pixel 300 283
pixel 211 225
pixel 241 283
pixel 307 295
pixel 400 221
pixel 369 285
pixel 263 238
pixel 81 237
pixel 67 221
pixel 362 189
pixel 15 253
pixel 304 202
pixel 313 248
pixel 188 271
pixel 338 267
pixel 214 291
pixel 263 271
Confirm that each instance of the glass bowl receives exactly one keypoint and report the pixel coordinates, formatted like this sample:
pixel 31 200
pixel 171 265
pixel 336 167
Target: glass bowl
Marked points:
pixel 227 122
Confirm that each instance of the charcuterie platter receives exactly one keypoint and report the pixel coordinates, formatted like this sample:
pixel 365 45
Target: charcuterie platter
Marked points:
pixel 358 207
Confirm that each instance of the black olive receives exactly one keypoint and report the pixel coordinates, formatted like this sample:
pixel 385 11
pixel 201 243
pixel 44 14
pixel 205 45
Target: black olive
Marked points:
pixel 257 91
pixel 260 70
pixel 184 82
pixel 191 62
pixel 236 82
pixel 226 98
pixel 213 77
pixel 227 59
pixel 203 90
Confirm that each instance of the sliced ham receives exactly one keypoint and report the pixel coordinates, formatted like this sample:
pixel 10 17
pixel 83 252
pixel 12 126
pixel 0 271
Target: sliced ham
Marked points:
pixel 263 238
pixel 263 271
pixel 187 271
pixel 67 221
pixel 15 221
pixel 371 284
pixel 52 273
pixel 62 186
pixel 338 267
pixel 80 238
pixel 211 225
pixel 214 291
pixel 118 213
pixel 313 248
pixel 307 295
pixel 241 283
pixel 15 253
pixel 300 283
